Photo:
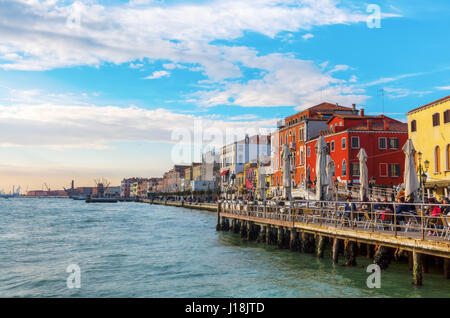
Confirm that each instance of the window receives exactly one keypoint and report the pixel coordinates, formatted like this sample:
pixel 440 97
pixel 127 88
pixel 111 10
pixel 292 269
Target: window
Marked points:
pixel 301 157
pixel 354 169
pixel 344 168
pixel 355 142
pixel 394 170
pixel 332 146
pixel 436 119
pixel 393 143
pixel 437 159
pixel 413 125
pixel 447 156
pixel 308 151
pixel 382 143
pixel 383 169
pixel 447 116
pixel 343 143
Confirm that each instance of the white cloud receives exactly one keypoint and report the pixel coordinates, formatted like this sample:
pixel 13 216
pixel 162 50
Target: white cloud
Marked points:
pixel 307 36
pixel 158 74
pixel 34 36
pixel 61 126
pixel 443 88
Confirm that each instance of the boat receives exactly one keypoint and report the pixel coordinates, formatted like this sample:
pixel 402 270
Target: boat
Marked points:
pixel 101 200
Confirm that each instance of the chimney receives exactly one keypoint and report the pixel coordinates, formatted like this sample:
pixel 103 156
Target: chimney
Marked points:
pixel 369 124
pixel 354 108
pixel 362 112
pixel 385 125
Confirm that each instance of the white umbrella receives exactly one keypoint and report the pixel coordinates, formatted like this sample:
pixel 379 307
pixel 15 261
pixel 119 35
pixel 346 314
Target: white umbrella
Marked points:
pixel 285 156
pixel 321 164
pixel 329 171
pixel 363 174
pixel 410 175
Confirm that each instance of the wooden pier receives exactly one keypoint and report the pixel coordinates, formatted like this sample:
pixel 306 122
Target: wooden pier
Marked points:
pixel 309 225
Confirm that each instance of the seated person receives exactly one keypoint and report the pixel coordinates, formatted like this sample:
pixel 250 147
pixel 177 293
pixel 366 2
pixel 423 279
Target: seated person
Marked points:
pixel 349 206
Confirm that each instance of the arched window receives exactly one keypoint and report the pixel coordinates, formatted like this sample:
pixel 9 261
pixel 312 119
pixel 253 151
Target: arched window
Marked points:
pixel 447 156
pixel 413 125
pixel 437 159
pixel 344 168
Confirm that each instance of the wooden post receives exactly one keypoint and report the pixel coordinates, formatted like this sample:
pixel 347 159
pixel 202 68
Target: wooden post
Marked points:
pixel 336 250
pixel 293 239
pixel 447 268
pixel 243 229
pixel 350 253
pixel 370 251
pixel 320 246
pixel 382 257
pixel 280 237
pixel 268 235
pixel 218 217
pixel 417 269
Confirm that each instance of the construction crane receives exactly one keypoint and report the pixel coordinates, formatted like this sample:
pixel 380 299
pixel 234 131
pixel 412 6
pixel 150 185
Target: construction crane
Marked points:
pixel 45 186
pixel 101 184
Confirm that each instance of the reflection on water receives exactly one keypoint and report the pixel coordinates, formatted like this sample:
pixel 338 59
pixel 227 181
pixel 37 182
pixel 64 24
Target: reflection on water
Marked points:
pixel 139 250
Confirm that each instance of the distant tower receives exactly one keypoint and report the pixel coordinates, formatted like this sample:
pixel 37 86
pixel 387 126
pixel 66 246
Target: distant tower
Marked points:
pixel 73 185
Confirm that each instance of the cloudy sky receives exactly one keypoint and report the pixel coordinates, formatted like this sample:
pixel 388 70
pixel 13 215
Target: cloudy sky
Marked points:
pixel 100 88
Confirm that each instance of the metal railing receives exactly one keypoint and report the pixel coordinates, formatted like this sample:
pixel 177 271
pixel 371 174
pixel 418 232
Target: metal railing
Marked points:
pixel 413 220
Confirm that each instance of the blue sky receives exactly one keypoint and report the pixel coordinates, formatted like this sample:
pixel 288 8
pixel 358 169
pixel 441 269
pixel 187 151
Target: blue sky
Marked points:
pixel 102 95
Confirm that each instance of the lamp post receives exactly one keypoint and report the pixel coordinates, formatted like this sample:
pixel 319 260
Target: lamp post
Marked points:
pixel 422 173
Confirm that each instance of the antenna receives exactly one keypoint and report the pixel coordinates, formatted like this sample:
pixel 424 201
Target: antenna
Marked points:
pixel 382 99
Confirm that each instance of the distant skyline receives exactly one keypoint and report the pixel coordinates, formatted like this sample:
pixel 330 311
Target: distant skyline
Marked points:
pixel 94 88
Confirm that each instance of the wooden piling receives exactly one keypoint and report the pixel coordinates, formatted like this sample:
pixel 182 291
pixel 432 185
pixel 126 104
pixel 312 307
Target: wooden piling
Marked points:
pixel 336 243
pixel 370 251
pixel 218 217
pixel 268 234
pixel 320 246
pixel 293 239
pixel 447 268
pixel 382 257
pixel 280 236
pixel 417 269
pixel 350 250
pixel 243 229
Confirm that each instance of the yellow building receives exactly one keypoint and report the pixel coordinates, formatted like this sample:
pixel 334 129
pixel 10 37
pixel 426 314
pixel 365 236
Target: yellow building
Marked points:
pixel 196 171
pixel 429 130
pixel 187 178
pixel 134 188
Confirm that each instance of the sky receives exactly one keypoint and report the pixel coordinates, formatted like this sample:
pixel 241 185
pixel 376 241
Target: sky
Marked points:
pixel 114 89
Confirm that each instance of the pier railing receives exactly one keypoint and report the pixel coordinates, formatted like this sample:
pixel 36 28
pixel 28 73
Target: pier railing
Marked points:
pixel 419 221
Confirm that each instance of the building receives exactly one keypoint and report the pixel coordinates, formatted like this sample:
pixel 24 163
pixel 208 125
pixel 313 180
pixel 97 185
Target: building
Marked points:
pixel 112 192
pixel 235 155
pixel 429 130
pixel 211 167
pixel 381 137
pixel 173 180
pixel 295 131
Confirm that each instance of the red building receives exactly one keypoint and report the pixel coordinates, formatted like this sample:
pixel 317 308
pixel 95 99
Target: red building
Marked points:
pixel 297 129
pixel 381 137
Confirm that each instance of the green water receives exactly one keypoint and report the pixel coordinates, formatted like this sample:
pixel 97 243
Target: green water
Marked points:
pixel 140 250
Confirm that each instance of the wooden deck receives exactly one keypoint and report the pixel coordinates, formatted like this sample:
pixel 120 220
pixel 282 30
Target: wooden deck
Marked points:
pixel 414 238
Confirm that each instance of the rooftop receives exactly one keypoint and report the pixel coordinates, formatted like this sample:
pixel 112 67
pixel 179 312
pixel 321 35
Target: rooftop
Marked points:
pixel 429 104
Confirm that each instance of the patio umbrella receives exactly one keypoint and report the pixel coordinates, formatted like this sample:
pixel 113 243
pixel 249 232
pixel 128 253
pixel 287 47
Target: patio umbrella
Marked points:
pixel 363 174
pixel 321 165
pixel 410 177
pixel 329 172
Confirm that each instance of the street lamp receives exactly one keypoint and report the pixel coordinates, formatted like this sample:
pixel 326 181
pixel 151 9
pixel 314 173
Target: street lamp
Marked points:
pixel 422 173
